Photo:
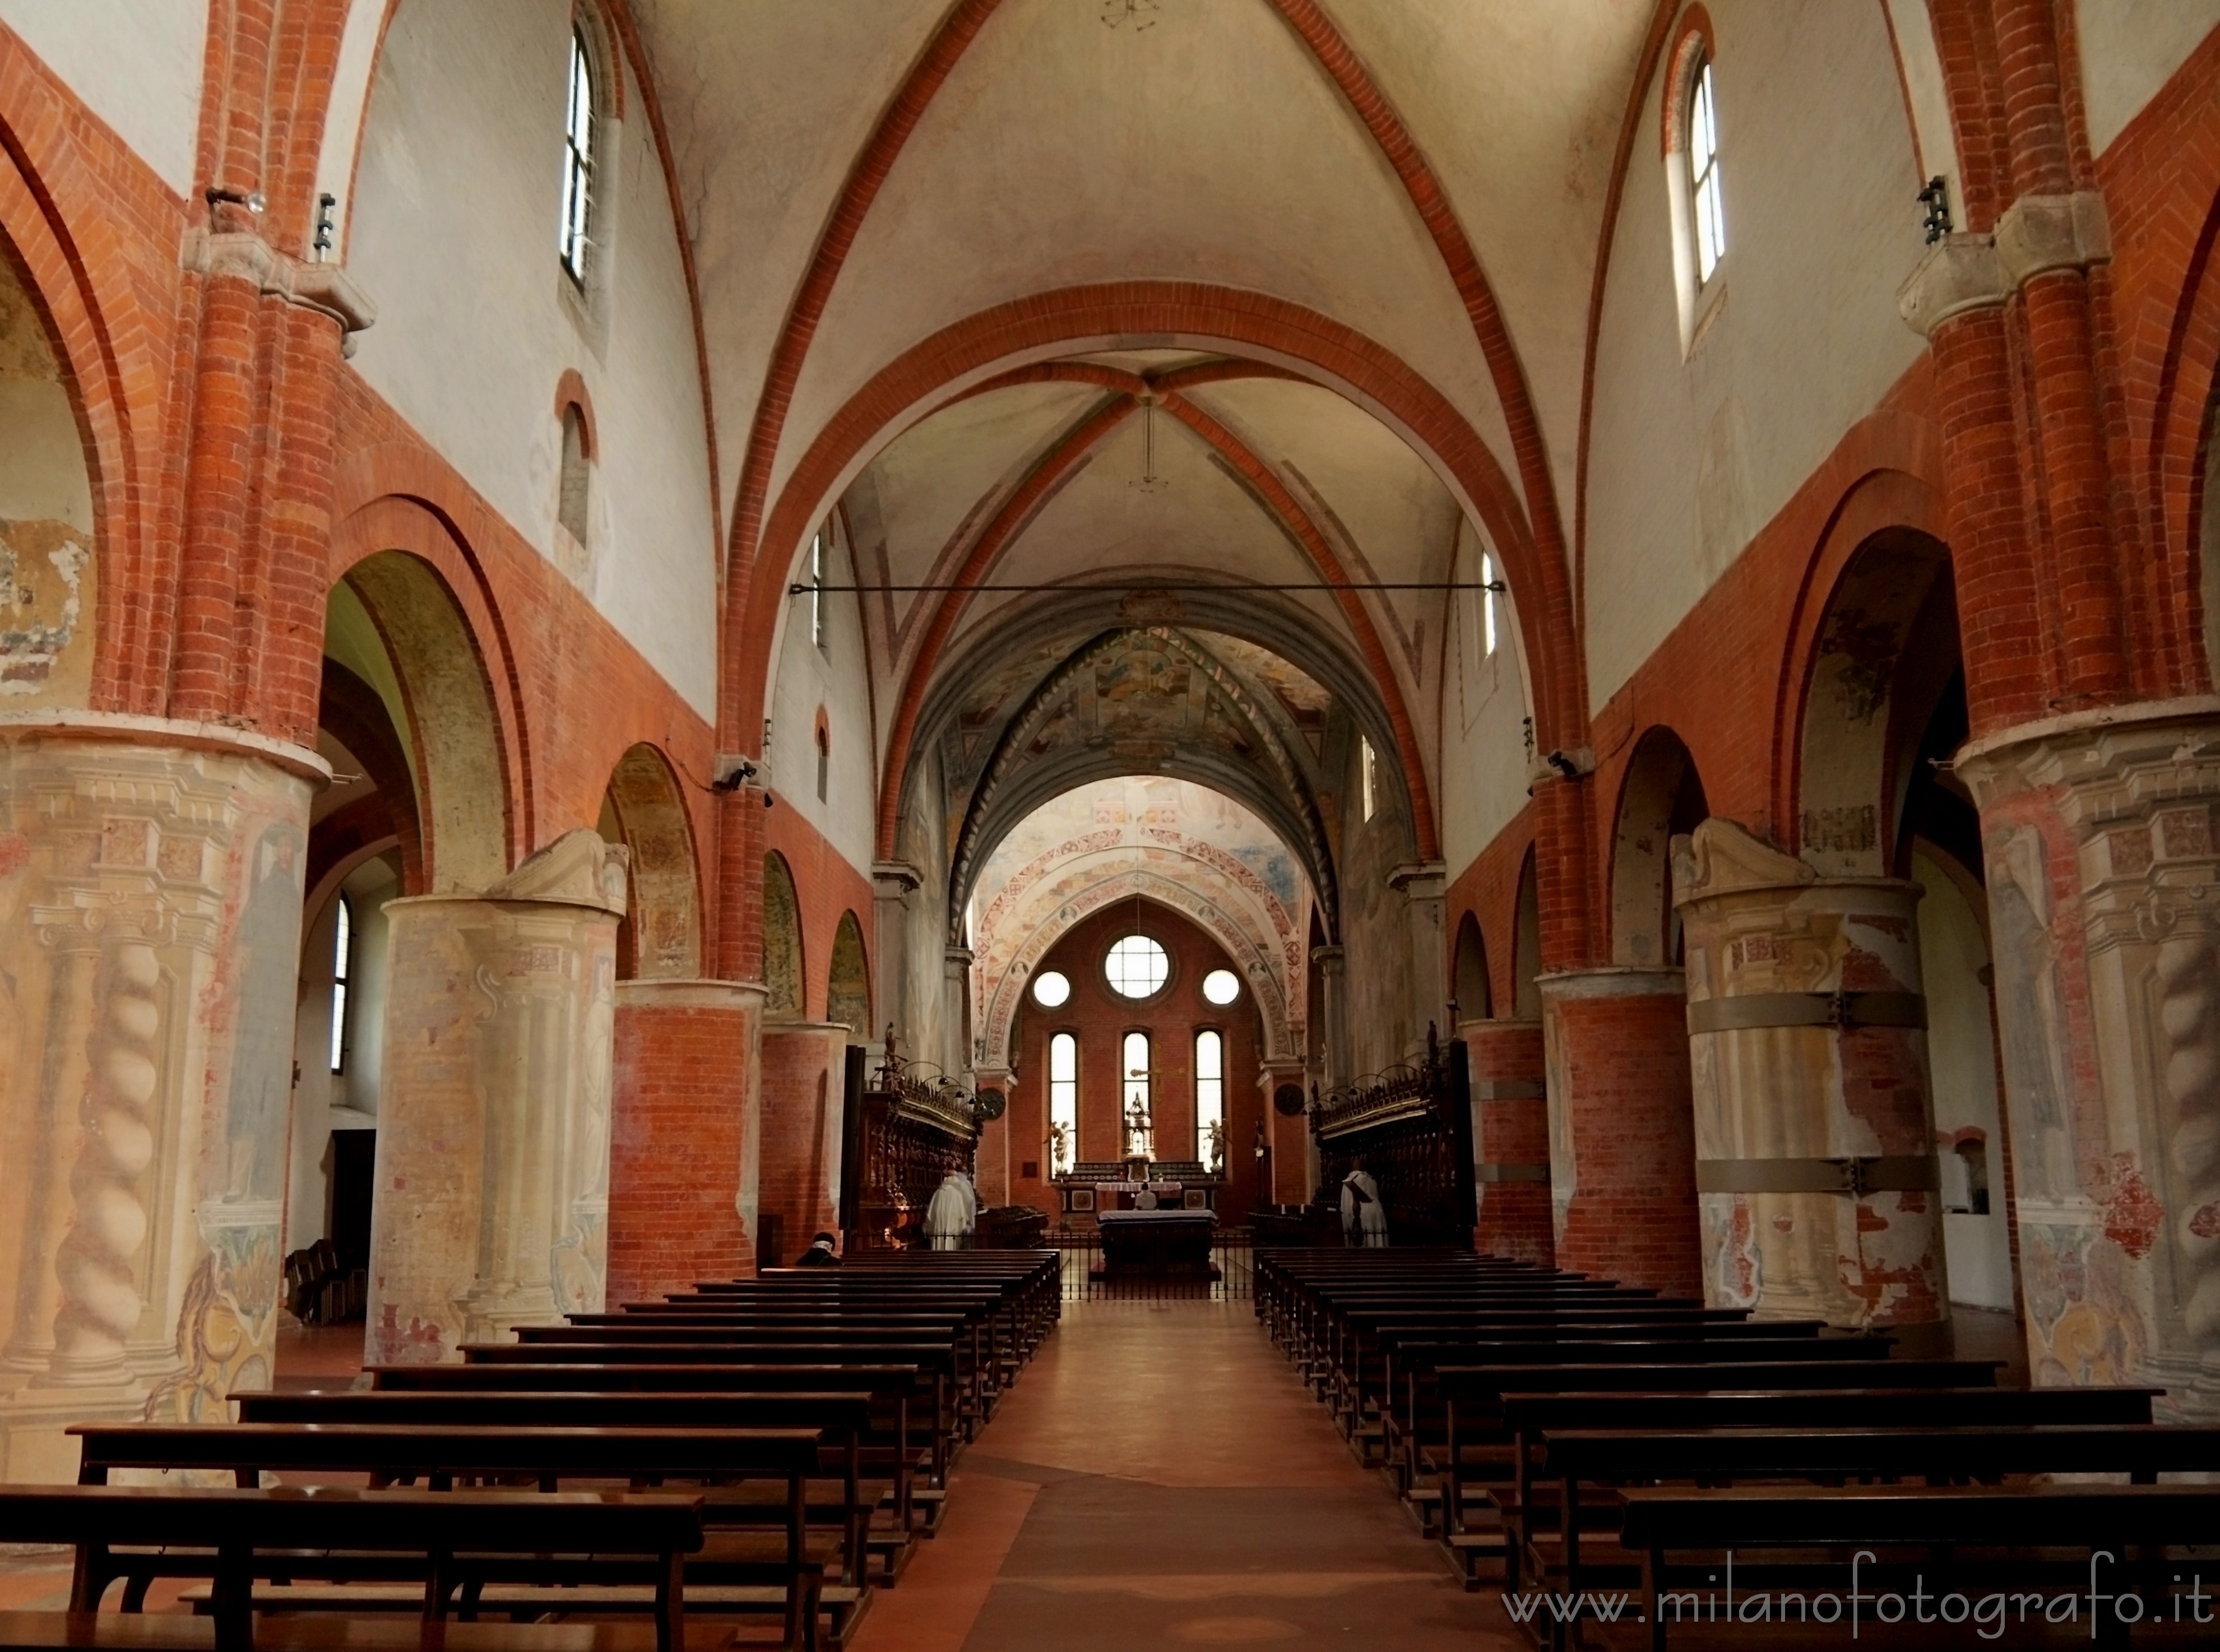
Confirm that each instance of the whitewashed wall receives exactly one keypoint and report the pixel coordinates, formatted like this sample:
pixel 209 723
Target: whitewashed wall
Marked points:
pixel 452 236
pixel 836 678
pixel 136 63
pixel 1484 739
pixel 1691 458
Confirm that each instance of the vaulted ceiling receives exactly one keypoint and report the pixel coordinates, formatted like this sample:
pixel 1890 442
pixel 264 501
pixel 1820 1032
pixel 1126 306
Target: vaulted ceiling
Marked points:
pixel 1147 294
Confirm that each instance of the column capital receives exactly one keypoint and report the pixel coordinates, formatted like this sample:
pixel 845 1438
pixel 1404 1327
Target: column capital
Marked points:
pixel 2042 233
pixel 1419 880
pixel 895 880
pixel 242 256
pixel 1960 274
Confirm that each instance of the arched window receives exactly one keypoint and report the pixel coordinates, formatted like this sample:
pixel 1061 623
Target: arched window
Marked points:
pixel 824 753
pixel 574 231
pixel 1139 1118
pixel 1210 1098
pixel 570 503
pixel 1711 222
pixel 342 970
pixel 1487 603
pixel 1062 1102
pixel 817 590
pixel 1368 766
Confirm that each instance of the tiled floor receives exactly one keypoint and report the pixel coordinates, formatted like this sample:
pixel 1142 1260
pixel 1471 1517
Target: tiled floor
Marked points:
pixel 1159 1474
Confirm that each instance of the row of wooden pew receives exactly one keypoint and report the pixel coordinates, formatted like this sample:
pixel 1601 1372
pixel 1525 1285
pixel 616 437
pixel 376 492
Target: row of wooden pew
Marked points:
pixel 1631 1469
pixel 769 1450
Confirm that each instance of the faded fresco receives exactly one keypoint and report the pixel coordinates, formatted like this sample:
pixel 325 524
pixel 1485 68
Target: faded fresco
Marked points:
pixel 1190 848
pixel 150 909
pixel 49 575
pixel 782 942
pixel 2103 875
pixel 847 983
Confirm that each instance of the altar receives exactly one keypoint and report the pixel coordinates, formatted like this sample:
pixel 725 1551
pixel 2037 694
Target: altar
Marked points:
pixel 1158 1244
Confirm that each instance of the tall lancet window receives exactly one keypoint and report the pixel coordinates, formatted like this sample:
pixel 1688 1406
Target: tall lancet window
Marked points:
pixel 573 234
pixel 1063 1101
pixel 342 973
pixel 1210 1098
pixel 1703 175
pixel 1140 1119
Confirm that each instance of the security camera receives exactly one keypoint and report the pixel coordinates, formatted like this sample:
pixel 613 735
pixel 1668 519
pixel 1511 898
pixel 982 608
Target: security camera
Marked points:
pixel 733 773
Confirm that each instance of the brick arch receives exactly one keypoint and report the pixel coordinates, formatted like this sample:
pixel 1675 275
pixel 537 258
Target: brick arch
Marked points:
pixel 441 633
pixel 49 198
pixel 1238 322
pixel 1869 503
pixel 664 895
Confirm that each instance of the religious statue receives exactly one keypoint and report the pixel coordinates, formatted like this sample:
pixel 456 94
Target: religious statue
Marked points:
pixel 1213 1145
pixel 1140 1131
pixel 1059 1149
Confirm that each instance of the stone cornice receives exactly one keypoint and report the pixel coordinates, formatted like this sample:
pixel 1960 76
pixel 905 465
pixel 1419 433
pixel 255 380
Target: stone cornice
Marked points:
pixel 324 288
pixel 2038 235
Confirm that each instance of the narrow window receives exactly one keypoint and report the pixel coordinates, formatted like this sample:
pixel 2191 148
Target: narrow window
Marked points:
pixel 572 232
pixel 1488 602
pixel 1062 1102
pixel 1704 176
pixel 1210 1099
pixel 824 758
pixel 342 969
pixel 1368 764
pixel 1140 1122
pixel 570 505
pixel 817 589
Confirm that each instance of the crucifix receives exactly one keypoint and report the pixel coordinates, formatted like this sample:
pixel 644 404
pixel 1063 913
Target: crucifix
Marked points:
pixel 1140 1115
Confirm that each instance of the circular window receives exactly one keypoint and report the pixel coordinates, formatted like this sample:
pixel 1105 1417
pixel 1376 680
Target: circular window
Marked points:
pixel 1221 987
pixel 1050 989
pixel 1136 967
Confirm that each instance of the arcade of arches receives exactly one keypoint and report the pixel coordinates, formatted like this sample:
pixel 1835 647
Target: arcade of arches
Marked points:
pixel 563 563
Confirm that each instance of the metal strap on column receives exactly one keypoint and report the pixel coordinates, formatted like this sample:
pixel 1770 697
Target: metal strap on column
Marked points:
pixel 1856 1176
pixel 1495 1171
pixel 1508 1089
pixel 1843 1010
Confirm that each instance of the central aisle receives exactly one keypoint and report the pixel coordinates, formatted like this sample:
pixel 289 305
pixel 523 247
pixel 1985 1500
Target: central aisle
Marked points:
pixel 1158 1474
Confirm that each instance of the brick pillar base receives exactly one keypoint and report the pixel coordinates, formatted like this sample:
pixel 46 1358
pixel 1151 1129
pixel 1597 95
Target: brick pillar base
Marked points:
pixel 689 1066
pixel 1511 1139
pixel 799 1178
pixel 1622 1143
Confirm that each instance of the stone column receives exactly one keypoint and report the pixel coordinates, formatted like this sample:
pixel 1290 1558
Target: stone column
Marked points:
pixel 1333 1029
pixel 956 1053
pixel 1422 886
pixel 687 1069
pixel 1622 1144
pixel 1814 1136
pixel 150 915
pixel 2103 880
pixel 493 1141
pixel 894 882
pixel 799 1181
pixel 1510 1136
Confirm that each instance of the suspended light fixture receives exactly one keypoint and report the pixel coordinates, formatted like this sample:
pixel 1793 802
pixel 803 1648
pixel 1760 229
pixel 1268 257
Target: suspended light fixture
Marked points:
pixel 1141 14
pixel 1148 480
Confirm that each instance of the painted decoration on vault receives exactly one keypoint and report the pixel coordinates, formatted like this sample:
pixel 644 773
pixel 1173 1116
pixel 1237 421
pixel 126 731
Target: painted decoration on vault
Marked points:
pixel 47 572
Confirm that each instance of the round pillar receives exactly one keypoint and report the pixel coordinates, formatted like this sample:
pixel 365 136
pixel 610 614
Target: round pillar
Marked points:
pixel 1808 1042
pixel 1511 1139
pixel 1622 1149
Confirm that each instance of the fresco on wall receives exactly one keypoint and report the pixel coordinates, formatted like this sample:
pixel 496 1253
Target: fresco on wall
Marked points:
pixel 47 565
pixel 782 942
pixel 1193 849
pixel 847 987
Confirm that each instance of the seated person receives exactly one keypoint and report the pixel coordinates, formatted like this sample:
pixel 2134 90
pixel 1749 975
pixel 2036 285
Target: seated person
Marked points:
pixel 820 1254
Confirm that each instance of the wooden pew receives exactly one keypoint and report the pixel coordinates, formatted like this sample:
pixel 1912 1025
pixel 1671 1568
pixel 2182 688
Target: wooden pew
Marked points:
pixel 1474 1434
pixel 1969 1540
pixel 1577 1459
pixel 920 1392
pixel 1527 1416
pixel 450 1540
pixel 851 1422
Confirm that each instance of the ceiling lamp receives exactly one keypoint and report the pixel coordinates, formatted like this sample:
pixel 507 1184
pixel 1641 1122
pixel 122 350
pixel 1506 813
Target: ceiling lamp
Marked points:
pixel 1148 480
pixel 1141 14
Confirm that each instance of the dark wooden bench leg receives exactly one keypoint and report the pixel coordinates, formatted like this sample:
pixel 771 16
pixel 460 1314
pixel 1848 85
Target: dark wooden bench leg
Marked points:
pixel 231 1599
pixel 670 1605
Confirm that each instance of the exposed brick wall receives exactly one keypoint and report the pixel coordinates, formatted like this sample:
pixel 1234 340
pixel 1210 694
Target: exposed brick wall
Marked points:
pixel 1619 1066
pixel 1510 1129
pixel 826 885
pixel 679 1110
pixel 803 1066
pixel 1100 1019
